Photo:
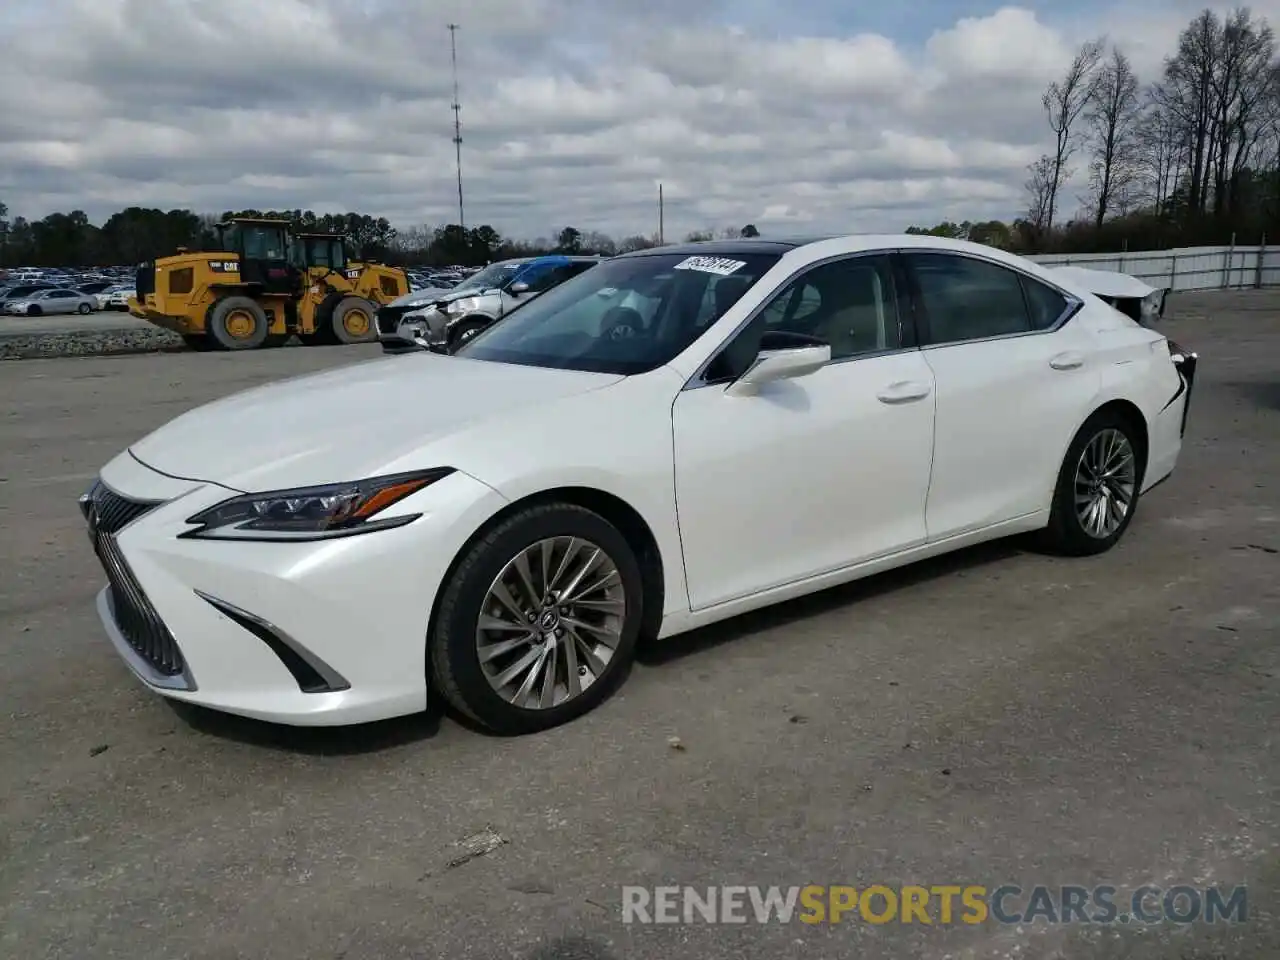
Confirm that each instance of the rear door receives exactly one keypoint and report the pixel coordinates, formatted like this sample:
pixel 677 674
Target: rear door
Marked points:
pixel 1014 379
pixel 63 301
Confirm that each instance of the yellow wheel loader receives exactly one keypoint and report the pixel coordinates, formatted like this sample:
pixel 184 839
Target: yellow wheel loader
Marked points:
pixel 257 290
pixel 341 295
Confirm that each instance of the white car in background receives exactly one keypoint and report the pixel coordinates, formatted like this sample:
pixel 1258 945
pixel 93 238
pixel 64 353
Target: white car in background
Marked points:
pixel 673 437
pixel 116 298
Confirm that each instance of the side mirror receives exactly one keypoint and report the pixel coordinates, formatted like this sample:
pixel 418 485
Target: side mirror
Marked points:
pixel 783 364
pixel 519 287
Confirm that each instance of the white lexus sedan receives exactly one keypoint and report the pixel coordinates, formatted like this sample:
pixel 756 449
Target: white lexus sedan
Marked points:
pixel 674 437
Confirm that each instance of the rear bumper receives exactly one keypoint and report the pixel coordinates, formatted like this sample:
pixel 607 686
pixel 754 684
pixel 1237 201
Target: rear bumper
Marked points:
pixel 1186 363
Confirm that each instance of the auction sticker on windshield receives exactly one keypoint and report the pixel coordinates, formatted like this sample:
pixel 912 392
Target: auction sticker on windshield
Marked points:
pixel 719 265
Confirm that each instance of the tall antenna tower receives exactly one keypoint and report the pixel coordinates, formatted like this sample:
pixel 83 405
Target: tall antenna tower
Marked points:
pixel 457 119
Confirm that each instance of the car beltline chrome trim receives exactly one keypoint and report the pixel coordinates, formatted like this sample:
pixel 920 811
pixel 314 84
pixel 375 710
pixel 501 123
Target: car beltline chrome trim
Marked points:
pixel 106 613
pixel 333 680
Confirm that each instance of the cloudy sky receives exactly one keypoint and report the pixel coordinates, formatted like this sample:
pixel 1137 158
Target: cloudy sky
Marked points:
pixel 809 115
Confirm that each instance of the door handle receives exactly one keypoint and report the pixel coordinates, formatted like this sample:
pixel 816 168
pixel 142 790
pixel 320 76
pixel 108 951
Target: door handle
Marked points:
pixel 1067 361
pixel 904 391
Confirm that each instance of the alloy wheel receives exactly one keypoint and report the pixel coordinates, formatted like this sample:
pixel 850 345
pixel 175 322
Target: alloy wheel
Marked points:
pixel 551 622
pixel 1105 483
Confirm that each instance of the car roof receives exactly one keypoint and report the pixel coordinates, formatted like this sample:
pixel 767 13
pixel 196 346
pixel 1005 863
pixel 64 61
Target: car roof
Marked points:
pixel 723 248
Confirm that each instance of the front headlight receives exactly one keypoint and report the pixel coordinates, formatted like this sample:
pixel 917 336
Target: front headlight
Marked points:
pixel 465 305
pixel 313 513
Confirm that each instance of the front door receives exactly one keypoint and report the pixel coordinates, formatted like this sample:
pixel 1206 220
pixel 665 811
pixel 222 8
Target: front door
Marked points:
pixel 813 474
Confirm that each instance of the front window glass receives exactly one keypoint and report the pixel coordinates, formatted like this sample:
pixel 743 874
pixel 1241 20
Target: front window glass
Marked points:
pixel 263 243
pixel 625 316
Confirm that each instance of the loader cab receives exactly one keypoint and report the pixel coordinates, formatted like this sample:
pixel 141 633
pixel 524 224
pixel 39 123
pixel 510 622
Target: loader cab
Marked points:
pixel 263 247
pixel 325 251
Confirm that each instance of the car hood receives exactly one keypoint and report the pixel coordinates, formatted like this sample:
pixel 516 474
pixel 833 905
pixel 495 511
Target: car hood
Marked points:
pixel 350 422
pixel 425 293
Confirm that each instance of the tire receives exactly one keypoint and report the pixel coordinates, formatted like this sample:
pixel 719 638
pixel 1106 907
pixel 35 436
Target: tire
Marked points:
pixel 237 323
pixel 1068 533
pixel 353 321
pixel 454 642
pixel 198 342
pixel 465 330
pixel 84 309
pixel 34 311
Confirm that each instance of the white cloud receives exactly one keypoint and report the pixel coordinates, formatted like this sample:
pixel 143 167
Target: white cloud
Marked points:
pixel 573 110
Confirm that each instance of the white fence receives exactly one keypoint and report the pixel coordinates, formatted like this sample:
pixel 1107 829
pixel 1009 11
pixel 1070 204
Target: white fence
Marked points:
pixel 1186 268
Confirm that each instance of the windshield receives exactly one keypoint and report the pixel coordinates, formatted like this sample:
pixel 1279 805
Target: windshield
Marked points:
pixel 494 275
pixel 623 316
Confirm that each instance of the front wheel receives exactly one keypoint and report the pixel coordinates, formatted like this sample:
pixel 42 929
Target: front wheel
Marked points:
pixel 464 331
pixel 538 622
pixel 84 309
pixel 1097 489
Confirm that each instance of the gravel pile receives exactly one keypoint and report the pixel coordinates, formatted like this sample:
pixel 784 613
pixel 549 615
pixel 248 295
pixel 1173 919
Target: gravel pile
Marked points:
pixel 87 343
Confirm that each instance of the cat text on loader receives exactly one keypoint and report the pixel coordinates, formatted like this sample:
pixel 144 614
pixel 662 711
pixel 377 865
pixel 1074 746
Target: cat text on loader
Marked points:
pixel 251 293
pixel 341 295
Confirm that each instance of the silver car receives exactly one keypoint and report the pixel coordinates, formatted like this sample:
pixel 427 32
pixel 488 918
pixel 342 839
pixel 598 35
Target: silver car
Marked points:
pixel 454 316
pixel 58 300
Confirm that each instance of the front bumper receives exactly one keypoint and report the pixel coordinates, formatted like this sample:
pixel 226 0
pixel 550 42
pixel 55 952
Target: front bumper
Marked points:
pixel 390 325
pixel 325 633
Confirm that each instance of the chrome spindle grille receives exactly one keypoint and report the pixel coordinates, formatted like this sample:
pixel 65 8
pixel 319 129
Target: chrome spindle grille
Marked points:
pixel 109 513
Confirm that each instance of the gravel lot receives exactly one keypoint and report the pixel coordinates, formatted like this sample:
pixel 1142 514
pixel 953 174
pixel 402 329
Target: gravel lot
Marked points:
pixel 995 717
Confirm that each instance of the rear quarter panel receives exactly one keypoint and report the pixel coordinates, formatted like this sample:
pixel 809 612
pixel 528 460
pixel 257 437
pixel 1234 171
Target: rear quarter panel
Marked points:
pixel 1135 366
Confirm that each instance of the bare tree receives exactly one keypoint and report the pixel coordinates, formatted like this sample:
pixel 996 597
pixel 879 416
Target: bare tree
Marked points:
pixel 1040 187
pixel 1064 102
pixel 1160 151
pixel 1243 81
pixel 1187 94
pixel 1111 115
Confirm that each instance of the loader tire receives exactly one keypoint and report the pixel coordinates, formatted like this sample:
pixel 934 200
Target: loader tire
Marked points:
pixel 237 323
pixel 353 321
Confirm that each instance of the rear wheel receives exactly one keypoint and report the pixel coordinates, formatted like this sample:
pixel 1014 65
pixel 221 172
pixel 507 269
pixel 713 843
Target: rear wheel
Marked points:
pixel 1097 490
pixel 84 308
pixel 353 321
pixel 538 622
pixel 237 323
